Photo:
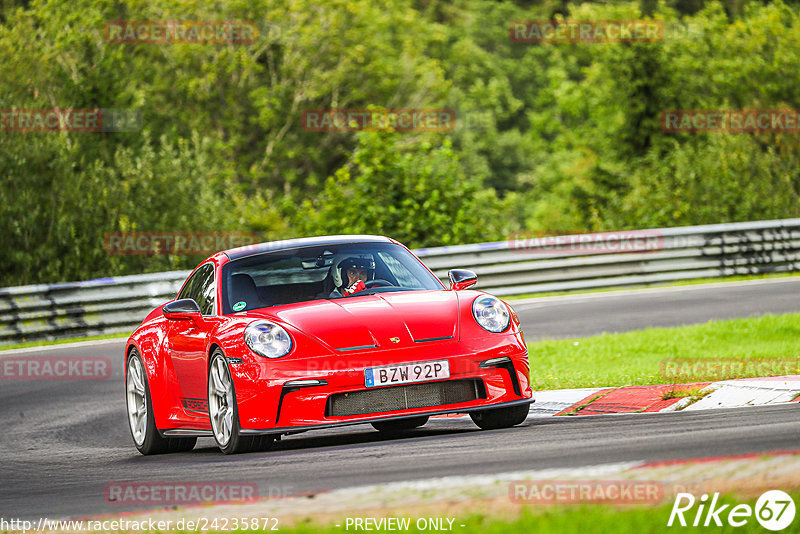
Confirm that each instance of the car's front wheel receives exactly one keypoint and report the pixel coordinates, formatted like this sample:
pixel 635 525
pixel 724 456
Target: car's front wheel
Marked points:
pixel 400 425
pixel 141 420
pixel 224 413
pixel 500 417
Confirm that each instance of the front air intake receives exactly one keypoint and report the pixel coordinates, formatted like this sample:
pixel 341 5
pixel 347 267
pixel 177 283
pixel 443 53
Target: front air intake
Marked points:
pixel 392 398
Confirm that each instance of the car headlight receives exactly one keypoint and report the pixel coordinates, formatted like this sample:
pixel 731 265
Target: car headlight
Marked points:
pixel 267 339
pixel 491 313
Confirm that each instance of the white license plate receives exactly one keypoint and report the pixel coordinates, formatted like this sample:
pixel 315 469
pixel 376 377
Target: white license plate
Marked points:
pixel 405 373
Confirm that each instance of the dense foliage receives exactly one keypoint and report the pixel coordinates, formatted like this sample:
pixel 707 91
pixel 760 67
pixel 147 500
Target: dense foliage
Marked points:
pixel 554 137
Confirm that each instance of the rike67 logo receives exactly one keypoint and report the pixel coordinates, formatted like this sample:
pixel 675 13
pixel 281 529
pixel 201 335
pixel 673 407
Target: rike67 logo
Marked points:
pixel 774 510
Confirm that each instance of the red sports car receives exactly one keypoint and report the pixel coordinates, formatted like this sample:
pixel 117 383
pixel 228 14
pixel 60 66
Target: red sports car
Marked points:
pixel 283 337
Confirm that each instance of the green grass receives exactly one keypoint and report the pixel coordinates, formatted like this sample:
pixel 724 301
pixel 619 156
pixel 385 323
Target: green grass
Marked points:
pixel 690 282
pixel 582 519
pixel 680 393
pixel 769 345
pixel 61 341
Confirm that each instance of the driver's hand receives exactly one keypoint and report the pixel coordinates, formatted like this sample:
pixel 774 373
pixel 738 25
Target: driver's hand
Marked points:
pixel 357 286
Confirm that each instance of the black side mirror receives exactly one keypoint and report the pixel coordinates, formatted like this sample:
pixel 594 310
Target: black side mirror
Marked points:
pixel 461 279
pixel 182 310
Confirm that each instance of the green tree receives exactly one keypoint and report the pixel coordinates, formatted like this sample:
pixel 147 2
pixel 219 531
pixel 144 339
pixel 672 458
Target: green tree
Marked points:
pixel 414 192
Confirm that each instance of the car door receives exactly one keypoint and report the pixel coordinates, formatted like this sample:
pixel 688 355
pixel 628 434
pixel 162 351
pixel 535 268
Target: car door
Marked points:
pixel 187 342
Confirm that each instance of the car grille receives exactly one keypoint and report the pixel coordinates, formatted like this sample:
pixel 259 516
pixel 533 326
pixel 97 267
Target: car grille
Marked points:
pixel 402 397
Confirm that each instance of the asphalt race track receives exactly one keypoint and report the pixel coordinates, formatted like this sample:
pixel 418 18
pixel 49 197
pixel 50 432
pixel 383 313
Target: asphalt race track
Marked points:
pixel 63 441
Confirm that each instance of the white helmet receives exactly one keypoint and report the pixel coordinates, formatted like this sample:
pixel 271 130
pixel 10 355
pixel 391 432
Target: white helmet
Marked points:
pixel 350 262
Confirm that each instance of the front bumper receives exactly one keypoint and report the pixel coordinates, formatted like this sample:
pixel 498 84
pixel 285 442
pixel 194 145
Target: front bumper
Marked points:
pixel 268 405
pixel 250 431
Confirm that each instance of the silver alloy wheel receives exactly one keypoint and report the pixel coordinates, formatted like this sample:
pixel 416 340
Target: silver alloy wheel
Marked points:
pixel 137 400
pixel 220 401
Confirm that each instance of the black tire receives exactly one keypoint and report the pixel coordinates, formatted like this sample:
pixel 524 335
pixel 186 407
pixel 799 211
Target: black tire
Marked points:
pixel 500 417
pixel 153 442
pixel 400 425
pixel 237 443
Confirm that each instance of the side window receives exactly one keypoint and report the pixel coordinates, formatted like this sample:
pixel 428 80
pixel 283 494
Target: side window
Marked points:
pixel 206 291
pixel 187 291
pixel 201 288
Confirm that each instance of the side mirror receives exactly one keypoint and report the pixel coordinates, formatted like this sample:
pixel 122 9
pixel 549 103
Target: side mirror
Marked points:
pixel 461 279
pixel 183 310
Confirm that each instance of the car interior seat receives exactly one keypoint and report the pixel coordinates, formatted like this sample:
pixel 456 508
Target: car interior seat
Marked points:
pixel 243 289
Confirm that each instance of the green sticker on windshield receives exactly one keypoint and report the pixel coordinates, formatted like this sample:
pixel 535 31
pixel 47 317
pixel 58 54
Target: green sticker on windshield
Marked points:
pixel 239 305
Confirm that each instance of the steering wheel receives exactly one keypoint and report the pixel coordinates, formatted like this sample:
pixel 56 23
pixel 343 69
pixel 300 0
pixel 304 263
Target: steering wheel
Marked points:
pixel 377 283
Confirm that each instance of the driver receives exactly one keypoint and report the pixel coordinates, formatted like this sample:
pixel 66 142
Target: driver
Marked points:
pixel 355 272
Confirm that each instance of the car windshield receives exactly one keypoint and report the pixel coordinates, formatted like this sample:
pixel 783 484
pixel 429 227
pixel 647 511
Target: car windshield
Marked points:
pixel 321 272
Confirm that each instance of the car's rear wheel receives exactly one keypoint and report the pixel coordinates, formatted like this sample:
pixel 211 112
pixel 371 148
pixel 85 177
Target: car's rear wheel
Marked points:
pixel 500 417
pixel 400 425
pixel 224 412
pixel 141 420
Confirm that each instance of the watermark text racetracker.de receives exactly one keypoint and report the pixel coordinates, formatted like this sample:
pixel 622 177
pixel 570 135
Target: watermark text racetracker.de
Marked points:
pixel 29 120
pixel 585 31
pixel 175 243
pixel 586 491
pixel 730 121
pixel 185 32
pixel 158 493
pixel 378 120
pixel 55 368
pixel 200 524
pixel 680 370
pixel 599 243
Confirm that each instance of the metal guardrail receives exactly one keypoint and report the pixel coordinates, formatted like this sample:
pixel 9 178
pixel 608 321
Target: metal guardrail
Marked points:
pixel 517 266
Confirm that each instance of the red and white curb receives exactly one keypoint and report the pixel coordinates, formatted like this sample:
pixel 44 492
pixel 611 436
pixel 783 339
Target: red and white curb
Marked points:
pixel 748 392
pixel 561 400
pixel 639 399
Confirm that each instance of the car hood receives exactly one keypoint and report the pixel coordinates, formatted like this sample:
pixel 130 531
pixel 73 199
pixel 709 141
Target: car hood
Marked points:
pixel 382 320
